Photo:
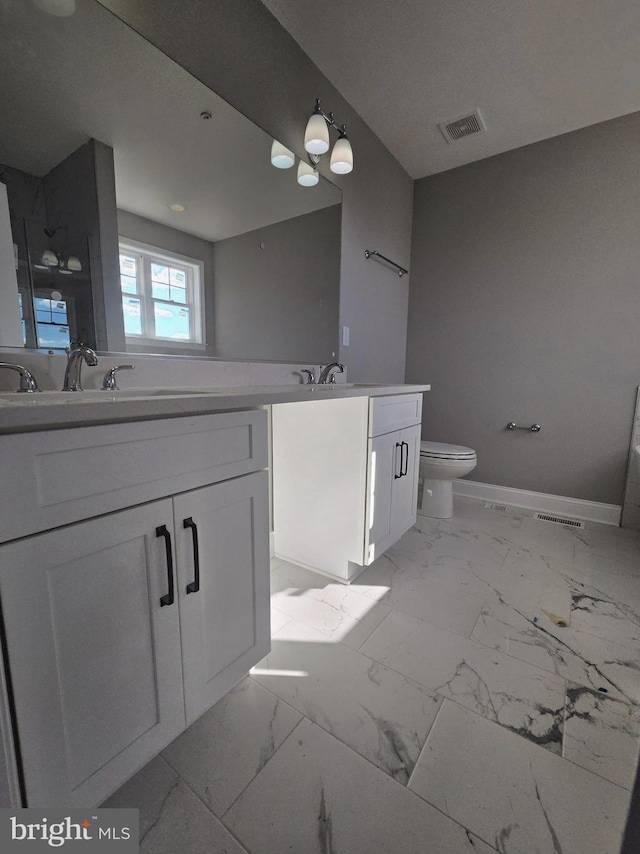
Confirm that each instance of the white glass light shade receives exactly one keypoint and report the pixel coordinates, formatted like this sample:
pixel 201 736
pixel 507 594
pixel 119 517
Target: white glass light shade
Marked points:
pixel 49 258
pixel 316 136
pixel 307 175
pixel 74 264
pixel 59 8
pixel 281 157
pixel 342 157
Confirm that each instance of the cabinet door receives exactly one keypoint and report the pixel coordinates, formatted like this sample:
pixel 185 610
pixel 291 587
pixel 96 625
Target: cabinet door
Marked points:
pixel 224 613
pixel 393 489
pixel 94 657
pixel 384 470
pixel 405 488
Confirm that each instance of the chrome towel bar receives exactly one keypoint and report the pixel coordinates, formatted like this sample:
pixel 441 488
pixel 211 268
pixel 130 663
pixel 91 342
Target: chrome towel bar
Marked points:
pixel 535 428
pixel 401 270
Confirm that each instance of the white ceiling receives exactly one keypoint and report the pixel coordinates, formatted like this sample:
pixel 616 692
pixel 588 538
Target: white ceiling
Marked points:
pixel 534 68
pixel 65 80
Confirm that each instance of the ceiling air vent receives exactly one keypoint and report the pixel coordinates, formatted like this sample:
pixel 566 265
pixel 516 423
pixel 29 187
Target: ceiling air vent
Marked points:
pixel 455 129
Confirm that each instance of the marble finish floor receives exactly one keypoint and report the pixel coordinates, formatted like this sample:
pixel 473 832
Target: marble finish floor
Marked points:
pixel 477 689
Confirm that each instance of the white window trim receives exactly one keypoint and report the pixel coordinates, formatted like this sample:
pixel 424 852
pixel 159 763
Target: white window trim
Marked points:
pixel 198 316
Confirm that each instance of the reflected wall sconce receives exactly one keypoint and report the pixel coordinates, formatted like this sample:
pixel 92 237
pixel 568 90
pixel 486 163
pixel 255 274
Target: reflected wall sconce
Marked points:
pixel 281 157
pixel 307 174
pixel 60 261
pixel 316 143
pixel 65 264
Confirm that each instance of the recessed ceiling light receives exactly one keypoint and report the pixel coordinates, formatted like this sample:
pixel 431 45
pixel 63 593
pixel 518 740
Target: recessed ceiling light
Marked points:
pixel 177 208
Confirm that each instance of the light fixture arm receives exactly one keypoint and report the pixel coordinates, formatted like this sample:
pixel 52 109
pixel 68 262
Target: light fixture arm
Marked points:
pixel 329 119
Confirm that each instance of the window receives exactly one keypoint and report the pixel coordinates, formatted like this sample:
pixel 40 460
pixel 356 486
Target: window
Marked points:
pixel 161 295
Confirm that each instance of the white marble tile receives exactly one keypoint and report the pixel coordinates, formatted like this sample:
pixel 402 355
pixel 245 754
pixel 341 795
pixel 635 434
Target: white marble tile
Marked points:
pixel 601 734
pixel 278 620
pixel 547 538
pixel 512 794
pixel 465 543
pixel 171 816
pixel 317 796
pixel 615 621
pixel 616 561
pixel 381 714
pixel 520 697
pixel 537 566
pixel 437 602
pixel 185 824
pixel 387 571
pixel 574 655
pixel 224 749
pixel 336 610
pixel 146 791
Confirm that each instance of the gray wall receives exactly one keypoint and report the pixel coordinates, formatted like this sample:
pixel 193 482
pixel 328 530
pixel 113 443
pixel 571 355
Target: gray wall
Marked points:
pixel 155 234
pixel 239 50
pixel 525 305
pixel 276 290
pixel 80 193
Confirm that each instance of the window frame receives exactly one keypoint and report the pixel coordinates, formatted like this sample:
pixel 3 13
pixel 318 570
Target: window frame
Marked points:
pixel 145 255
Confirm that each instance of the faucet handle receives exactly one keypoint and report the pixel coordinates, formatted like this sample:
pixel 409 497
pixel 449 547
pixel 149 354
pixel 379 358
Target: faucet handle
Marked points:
pixel 27 380
pixel 311 377
pixel 109 382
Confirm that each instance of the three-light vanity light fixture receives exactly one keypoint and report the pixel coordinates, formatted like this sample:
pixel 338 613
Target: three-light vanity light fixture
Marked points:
pixel 316 143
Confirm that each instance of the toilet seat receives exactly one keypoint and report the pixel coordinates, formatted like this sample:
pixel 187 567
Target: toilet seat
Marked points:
pixel 442 451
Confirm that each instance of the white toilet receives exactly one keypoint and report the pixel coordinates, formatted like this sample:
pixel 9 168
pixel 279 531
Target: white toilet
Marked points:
pixel 439 465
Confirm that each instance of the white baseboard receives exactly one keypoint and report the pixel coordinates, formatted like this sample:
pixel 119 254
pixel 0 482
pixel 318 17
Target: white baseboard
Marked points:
pixel 541 502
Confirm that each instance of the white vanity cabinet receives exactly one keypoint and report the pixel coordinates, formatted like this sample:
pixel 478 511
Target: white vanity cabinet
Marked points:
pixel 345 479
pixel 123 628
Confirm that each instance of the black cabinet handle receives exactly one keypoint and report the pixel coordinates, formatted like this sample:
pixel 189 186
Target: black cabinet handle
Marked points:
pixel 397 476
pixel 168 598
pixel 194 585
pixel 406 460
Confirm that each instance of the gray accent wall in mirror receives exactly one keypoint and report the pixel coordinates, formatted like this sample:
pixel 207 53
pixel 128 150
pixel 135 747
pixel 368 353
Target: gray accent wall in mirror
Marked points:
pixel 105 141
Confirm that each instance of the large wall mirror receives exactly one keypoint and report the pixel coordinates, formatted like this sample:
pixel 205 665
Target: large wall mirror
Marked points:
pixel 145 213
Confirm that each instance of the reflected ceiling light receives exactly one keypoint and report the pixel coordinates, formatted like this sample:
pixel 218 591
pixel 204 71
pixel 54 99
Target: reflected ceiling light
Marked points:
pixel 176 207
pixel 307 174
pixel 316 141
pixel 49 258
pixel 281 157
pixel 59 8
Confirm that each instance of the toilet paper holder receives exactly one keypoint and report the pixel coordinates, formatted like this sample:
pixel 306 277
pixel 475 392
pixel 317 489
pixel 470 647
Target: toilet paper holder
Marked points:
pixel 535 428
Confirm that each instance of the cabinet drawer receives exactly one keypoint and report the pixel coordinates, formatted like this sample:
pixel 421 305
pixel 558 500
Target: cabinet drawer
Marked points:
pixel 61 476
pixel 394 413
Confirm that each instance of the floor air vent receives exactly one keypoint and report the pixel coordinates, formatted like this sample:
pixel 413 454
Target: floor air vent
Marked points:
pixel 501 507
pixel 570 523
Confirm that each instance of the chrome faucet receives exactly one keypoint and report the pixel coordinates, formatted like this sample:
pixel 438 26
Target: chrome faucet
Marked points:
pixel 74 365
pixel 328 374
pixel 27 380
pixel 109 382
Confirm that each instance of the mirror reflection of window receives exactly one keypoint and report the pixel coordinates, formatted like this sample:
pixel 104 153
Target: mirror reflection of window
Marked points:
pixel 161 295
pixel 52 328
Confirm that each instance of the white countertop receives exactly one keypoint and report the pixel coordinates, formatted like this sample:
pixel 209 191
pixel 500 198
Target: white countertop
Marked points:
pixel 54 410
